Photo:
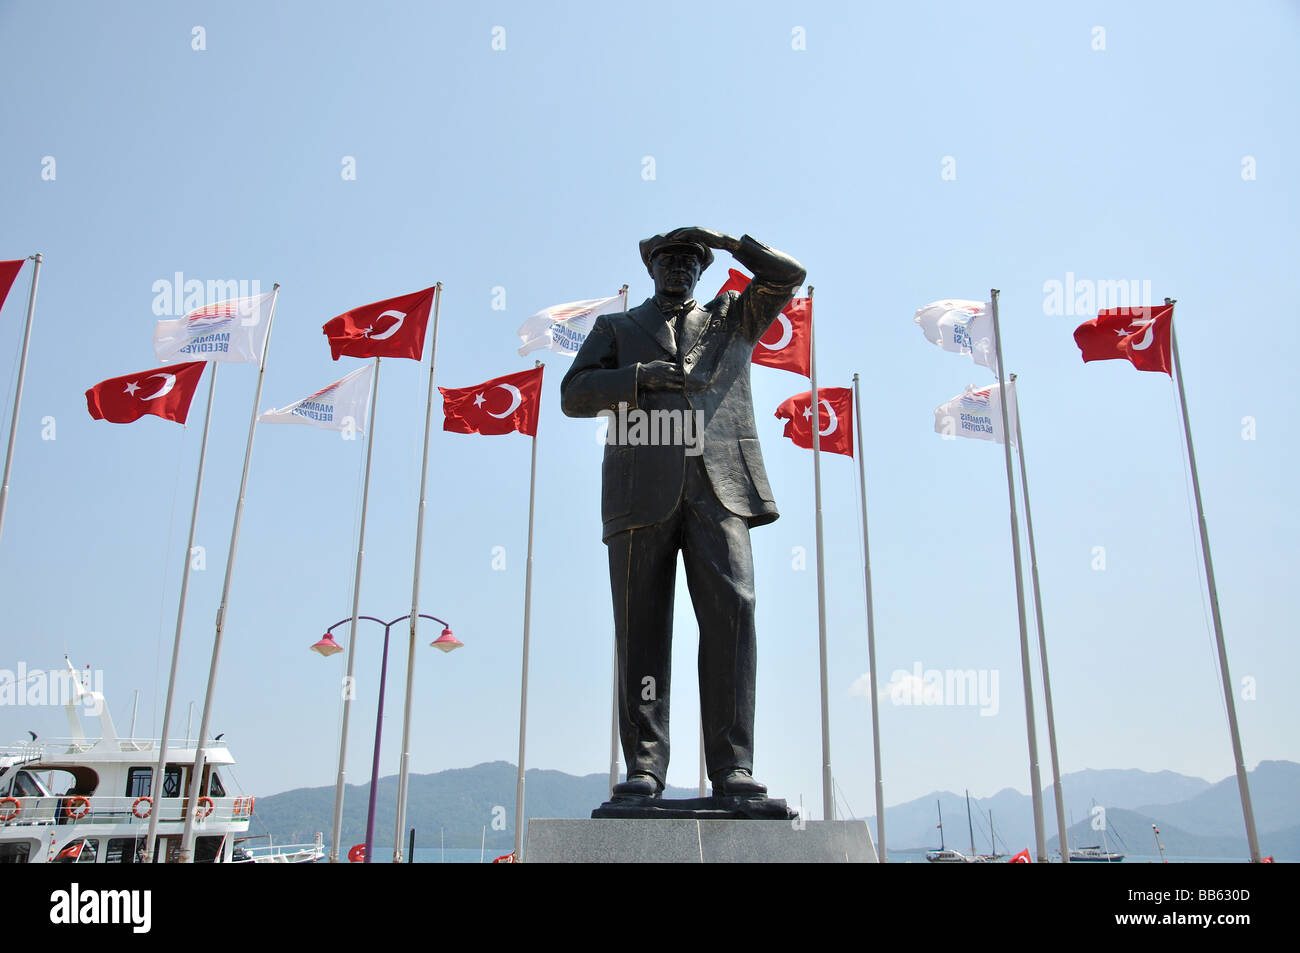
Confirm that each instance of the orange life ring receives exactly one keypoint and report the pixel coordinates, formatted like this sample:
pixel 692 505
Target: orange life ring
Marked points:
pixel 239 807
pixel 8 814
pixel 204 808
pixel 78 807
pixel 248 806
pixel 135 808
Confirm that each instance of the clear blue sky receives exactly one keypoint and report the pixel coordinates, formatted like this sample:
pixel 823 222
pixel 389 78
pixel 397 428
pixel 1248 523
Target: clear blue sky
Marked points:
pixel 523 168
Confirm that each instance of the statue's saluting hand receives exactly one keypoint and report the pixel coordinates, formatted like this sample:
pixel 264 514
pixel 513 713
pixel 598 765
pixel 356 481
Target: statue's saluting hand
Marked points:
pixel 705 236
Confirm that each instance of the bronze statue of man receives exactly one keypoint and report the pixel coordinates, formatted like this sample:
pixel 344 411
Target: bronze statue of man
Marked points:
pixel 674 361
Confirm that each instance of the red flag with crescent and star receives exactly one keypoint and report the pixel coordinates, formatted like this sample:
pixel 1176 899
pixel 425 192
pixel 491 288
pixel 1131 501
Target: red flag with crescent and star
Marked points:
pixel 164 392
pixel 393 327
pixel 1140 336
pixel 835 418
pixel 8 275
pixel 501 405
pixel 1021 858
pixel 787 343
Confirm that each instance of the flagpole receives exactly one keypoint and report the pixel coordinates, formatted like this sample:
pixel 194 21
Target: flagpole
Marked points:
pixel 1243 786
pixel 523 688
pixel 18 393
pixel 156 785
pixel 613 727
pixel 871 628
pixel 613 736
pixel 1036 788
pixel 200 754
pixel 336 831
pixel 1061 829
pixel 828 802
pixel 404 770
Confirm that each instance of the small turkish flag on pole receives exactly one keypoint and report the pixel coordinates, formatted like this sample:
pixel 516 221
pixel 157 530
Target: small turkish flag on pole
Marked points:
pixel 165 392
pixel 1137 335
pixel 835 415
pixel 8 274
pixel 787 345
pixel 1021 858
pixel 501 405
pixel 390 328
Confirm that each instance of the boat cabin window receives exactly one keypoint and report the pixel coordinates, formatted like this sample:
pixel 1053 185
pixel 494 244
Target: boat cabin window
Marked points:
pixel 84 850
pixel 172 781
pixel 215 787
pixel 207 850
pixel 26 786
pixel 124 850
pixel 15 852
pixel 138 781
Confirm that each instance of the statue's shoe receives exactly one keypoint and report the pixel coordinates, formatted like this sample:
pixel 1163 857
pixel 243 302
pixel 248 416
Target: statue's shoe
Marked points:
pixel 638 785
pixel 737 783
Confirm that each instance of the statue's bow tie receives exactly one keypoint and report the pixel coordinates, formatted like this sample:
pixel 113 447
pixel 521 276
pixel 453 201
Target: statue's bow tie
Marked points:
pixel 675 311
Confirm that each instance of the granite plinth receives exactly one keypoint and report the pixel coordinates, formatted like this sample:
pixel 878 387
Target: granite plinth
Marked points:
pixel 696 841
pixel 703 808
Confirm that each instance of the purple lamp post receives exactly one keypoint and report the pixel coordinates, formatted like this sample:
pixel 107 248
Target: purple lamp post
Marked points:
pixel 327 647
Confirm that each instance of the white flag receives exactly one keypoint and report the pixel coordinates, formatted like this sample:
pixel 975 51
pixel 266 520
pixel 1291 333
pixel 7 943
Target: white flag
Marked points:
pixel 563 327
pixel 233 331
pixel 976 413
pixel 342 405
pixel 964 327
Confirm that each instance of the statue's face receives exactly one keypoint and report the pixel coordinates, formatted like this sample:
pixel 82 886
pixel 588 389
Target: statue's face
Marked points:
pixel 675 272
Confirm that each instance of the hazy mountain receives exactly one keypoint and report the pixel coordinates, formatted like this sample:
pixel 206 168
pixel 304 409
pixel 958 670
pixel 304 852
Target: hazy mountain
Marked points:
pixel 1199 816
pixel 1274 791
pixel 1196 818
pixel 462 803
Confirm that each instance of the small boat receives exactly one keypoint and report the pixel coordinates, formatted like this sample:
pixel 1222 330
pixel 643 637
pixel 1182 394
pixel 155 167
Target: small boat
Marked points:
pixel 945 854
pixel 1094 855
pixel 88 800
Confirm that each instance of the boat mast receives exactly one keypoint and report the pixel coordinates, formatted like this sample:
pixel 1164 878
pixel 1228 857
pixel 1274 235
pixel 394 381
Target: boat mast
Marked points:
pixel 1105 846
pixel 969 824
pixel 940 807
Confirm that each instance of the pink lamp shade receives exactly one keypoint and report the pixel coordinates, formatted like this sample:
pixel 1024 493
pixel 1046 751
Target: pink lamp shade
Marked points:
pixel 447 642
pixel 327 646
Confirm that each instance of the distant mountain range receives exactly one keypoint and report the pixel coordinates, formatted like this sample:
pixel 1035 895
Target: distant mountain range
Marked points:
pixel 1196 818
pixel 468 806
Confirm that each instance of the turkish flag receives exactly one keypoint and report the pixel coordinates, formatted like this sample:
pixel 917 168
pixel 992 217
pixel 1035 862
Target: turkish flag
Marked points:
pixel 1021 858
pixel 787 345
pixel 165 392
pixel 501 405
pixel 1138 335
pixel 835 418
pixel 71 852
pixel 390 328
pixel 8 274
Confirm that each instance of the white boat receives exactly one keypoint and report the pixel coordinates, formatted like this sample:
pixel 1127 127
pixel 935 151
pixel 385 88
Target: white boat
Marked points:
pixel 944 854
pixel 1093 854
pixel 88 800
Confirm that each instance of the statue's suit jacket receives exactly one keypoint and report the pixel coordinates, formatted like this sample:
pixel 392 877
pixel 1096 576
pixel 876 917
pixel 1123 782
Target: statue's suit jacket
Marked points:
pixel 642 483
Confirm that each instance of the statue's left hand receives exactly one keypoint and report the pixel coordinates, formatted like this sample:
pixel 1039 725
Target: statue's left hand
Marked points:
pixel 706 236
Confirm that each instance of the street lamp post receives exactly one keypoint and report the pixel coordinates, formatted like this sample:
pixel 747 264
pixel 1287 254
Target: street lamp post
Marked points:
pixel 327 647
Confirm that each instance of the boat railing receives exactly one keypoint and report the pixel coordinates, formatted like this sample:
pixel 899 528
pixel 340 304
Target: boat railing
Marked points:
pixel 280 853
pixel 74 810
pixel 50 747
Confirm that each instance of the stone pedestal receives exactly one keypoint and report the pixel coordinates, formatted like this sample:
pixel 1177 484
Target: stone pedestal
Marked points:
pixel 681 841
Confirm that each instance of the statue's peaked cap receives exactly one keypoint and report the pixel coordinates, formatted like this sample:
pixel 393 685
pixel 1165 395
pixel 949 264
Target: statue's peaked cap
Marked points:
pixel 656 243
